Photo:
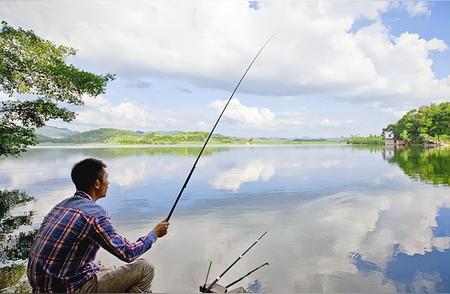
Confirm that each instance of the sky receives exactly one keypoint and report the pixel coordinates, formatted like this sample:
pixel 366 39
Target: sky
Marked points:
pixel 334 68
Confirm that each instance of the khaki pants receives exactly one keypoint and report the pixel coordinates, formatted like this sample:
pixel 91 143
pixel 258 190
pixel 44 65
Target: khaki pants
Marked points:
pixel 134 277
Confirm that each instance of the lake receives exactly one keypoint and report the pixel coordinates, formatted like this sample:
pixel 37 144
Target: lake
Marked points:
pixel 339 218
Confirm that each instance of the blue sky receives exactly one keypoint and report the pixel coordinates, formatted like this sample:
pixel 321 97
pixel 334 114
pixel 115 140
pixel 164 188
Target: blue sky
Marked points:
pixel 427 26
pixel 337 68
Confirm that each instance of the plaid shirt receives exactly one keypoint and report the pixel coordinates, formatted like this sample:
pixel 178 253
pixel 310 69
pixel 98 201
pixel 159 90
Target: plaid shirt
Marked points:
pixel 63 253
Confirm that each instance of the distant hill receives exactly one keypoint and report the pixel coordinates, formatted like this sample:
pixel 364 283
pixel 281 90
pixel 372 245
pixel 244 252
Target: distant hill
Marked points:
pixel 53 132
pixel 101 136
pixel 44 139
pixel 116 136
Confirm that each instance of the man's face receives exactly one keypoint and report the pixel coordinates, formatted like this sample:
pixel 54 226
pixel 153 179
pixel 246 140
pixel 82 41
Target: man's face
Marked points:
pixel 102 184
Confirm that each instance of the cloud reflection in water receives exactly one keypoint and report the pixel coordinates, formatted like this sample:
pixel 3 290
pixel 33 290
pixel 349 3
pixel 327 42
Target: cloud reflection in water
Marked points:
pixel 320 205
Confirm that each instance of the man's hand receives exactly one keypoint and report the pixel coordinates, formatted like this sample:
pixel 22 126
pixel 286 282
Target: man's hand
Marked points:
pixel 161 228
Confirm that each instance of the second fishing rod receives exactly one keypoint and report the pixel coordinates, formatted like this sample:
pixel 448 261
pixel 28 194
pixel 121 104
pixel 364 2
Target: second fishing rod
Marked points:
pixel 208 289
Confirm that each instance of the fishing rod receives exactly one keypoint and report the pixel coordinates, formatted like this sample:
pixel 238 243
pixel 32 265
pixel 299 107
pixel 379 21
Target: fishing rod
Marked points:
pixel 207 274
pixel 214 127
pixel 207 290
pixel 246 275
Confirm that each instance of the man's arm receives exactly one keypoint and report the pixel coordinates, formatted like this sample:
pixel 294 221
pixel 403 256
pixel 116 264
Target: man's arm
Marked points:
pixel 105 235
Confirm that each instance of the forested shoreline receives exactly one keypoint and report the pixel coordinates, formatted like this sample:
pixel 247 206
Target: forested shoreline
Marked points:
pixel 125 137
pixel 428 123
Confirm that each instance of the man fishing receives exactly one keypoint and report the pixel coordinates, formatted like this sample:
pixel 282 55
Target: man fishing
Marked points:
pixel 63 253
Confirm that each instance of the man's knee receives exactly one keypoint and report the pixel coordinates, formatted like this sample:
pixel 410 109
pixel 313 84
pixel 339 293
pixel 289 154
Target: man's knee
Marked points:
pixel 146 269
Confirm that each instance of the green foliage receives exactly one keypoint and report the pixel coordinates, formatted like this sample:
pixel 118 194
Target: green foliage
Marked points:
pixel 14 247
pixel 427 123
pixel 31 65
pixel 11 275
pixel 99 136
pixel 370 140
pixel 430 165
pixel 115 136
pixel 9 199
pixel 18 246
pixel 14 138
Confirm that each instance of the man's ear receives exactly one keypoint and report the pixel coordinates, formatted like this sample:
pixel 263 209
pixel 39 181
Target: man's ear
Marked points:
pixel 97 184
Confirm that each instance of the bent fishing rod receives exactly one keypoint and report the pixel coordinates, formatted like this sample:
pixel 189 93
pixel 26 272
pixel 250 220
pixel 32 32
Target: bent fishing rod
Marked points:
pixel 214 127
pixel 207 290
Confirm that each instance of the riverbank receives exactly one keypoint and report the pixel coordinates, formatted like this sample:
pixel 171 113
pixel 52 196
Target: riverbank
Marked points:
pixel 191 145
pixel 126 137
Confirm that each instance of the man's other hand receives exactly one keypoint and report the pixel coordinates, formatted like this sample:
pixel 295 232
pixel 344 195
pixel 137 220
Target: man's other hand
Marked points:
pixel 161 228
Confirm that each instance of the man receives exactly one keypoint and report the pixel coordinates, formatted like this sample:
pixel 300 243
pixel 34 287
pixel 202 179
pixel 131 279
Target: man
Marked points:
pixel 63 253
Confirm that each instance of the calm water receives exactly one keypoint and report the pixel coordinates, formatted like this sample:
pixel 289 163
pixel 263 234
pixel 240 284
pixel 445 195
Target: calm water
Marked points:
pixel 338 218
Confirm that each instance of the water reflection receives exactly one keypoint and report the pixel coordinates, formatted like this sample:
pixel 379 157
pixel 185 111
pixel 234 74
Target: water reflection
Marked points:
pixel 427 272
pixel 254 171
pixel 430 165
pixel 340 219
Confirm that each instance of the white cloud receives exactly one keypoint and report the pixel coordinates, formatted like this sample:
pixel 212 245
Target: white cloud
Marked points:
pixel 247 115
pixel 330 123
pixel 316 53
pixel 402 66
pixel 396 113
pixel 436 44
pixel 284 119
pixel 138 84
pixel 202 125
pixel 417 8
pixel 101 112
pixel 350 122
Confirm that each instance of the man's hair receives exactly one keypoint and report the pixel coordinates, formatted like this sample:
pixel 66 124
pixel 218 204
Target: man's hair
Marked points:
pixel 86 172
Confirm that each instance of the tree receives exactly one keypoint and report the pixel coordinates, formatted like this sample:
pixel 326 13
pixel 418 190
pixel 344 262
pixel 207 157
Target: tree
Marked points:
pixel 427 123
pixel 35 70
pixel 440 117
